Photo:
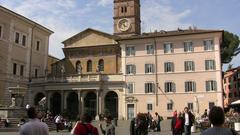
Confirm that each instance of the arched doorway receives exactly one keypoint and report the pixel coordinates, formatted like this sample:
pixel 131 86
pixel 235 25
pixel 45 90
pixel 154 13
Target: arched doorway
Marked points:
pixel 55 103
pixel 90 104
pixel 72 105
pixel 111 104
pixel 37 98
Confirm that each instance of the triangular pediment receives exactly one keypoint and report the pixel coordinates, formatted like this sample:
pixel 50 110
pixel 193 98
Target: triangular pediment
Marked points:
pixel 89 37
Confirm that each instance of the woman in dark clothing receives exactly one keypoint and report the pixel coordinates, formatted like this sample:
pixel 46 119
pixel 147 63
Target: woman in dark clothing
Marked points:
pixel 178 128
pixel 173 121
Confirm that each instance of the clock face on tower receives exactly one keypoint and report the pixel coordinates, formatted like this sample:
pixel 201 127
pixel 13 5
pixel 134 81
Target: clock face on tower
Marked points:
pixel 123 24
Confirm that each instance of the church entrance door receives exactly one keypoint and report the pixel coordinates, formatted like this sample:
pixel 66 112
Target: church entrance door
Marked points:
pixel 111 104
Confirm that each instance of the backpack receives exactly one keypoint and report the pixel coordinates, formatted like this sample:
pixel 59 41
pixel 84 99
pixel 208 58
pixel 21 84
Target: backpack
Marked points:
pixel 89 132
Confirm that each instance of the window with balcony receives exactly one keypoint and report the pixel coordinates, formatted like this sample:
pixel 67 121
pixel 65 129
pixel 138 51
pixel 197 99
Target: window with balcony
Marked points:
pixel 169 87
pixel 190 86
pixel 150 49
pixel 149 87
pixel 189 66
pixel 168 67
pixel 190 106
pixel 36 73
pixel 130 69
pixel 169 106
pixel 89 66
pixel 14 68
pixel 149 68
pixel 149 107
pixel 17 37
pixel 21 70
pixel 130 51
pixel 101 65
pixel 211 85
pixel 37 45
pixel 1 31
pixel 211 104
pixel 130 88
pixel 210 65
pixel 188 47
pixel 168 48
pixel 208 45
pixel 24 38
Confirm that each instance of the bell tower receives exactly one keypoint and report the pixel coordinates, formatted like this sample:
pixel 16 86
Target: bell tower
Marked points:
pixel 127 17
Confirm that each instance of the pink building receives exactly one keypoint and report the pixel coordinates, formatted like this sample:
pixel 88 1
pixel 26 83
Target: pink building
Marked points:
pixel 231 86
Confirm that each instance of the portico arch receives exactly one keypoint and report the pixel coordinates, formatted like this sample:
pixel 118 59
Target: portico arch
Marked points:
pixel 38 97
pixel 90 104
pixel 111 103
pixel 55 103
pixel 72 105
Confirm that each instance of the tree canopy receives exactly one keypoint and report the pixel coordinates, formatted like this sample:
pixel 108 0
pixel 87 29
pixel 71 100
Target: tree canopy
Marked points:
pixel 229 47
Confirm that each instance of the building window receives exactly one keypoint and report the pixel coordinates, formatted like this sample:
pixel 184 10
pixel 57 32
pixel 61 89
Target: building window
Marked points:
pixel 122 9
pixel 36 73
pixel 149 107
pixel 211 104
pixel 1 31
pixel 149 87
pixel 38 46
pixel 168 67
pixel 168 48
pixel 190 86
pixel 101 65
pixel 130 87
pixel 89 66
pixel 189 65
pixel 190 106
pixel 17 37
pixel 130 69
pixel 169 106
pixel 150 49
pixel 188 47
pixel 211 85
pixel 14 68
pixel 24 38
pixel 21 70
pixel 210 65
pixel 208 45
pixel 149 68
pixel 130 51
pixel 169 87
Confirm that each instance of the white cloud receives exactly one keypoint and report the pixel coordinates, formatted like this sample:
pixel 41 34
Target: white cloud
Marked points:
pixel 105 2
pixel 159 15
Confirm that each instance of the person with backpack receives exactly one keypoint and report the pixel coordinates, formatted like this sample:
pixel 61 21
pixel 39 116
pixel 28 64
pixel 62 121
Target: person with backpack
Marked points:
pixel 84 127
pixel 110 128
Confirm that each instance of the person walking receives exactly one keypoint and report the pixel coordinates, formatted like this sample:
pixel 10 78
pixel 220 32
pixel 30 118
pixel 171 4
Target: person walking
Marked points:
pixel 110 128
pixel 158 120
pixel 173 121
pixel 34 126
pixel 84 127
pixel 188 118
pixel 217 118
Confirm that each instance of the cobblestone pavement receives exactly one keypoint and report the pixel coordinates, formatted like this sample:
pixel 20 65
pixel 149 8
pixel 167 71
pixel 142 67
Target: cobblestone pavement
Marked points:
pixel 121 129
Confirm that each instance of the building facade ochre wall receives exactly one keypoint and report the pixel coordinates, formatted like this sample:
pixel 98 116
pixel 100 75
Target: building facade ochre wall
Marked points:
pixel 23 51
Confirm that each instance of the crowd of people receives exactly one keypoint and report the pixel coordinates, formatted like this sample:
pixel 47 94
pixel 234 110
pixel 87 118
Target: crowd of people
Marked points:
pixel 181 122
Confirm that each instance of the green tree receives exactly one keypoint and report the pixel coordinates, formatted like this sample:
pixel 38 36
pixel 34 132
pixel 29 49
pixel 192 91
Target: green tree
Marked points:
pixel 229 47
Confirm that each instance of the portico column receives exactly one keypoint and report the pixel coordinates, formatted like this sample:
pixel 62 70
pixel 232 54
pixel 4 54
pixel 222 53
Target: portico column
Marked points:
pixel 48 100
pixel 97 93
pixel 100 102
pixel 79 102
pixel 65 100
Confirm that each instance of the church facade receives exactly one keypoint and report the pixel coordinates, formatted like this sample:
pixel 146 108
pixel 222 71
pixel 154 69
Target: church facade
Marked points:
pixel 130 71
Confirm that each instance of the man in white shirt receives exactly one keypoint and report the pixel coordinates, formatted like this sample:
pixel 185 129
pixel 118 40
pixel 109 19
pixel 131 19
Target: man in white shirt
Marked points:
pixel 188 118
pixel 34 126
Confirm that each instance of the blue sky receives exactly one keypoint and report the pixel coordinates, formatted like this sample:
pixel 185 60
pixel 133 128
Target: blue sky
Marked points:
pixel 69 17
